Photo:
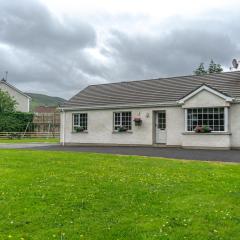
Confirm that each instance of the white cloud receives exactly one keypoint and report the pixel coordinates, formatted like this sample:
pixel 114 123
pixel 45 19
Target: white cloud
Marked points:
pixel 154 8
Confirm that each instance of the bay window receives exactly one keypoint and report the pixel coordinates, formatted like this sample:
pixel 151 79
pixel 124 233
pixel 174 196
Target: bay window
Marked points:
pixel 214 118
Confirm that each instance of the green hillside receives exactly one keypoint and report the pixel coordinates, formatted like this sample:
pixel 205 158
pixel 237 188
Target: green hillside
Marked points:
pixel 44 100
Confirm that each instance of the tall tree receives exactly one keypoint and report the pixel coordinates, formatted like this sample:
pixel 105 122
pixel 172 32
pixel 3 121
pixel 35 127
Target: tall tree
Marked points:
pixel 212 68
pixel 7 103
pixel 200 70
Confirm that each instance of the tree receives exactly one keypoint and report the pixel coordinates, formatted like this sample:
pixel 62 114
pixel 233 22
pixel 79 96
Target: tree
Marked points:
pixel 200 70
pixel 14 121
pixel 7 103
pixel 212 68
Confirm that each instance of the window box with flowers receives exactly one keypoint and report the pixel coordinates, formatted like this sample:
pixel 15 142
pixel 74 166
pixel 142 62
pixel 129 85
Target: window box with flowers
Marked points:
pixel 122 129
pixel 202 129
pixel 79 129
pixel 138 121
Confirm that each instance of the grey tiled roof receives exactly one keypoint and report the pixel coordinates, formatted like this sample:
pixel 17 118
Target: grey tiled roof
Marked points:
pixel 154 90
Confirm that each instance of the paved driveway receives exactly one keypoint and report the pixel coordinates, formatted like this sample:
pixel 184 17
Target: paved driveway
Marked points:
pixel 178 153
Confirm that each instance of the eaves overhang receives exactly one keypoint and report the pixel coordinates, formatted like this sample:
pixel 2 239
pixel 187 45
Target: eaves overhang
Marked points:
pixel 120 106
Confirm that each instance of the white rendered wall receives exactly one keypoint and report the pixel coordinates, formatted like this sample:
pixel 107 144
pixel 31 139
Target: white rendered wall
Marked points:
pixel 234 123
pixel 100 127
pixel 202 140
pixel 23 101
pixel 205 99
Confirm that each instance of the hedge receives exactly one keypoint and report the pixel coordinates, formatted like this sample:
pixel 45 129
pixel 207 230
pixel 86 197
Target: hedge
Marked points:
pixel 14 122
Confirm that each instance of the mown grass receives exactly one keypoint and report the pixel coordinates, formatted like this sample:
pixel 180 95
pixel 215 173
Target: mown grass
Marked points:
pixel 57 195
pixel 30 140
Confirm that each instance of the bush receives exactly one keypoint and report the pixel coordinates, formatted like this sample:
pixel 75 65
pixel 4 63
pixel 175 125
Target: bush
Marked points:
pixel 14 121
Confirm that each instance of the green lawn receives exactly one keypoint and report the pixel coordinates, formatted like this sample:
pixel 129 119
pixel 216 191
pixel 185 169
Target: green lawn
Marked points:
pixel 56 195
pixel 30 140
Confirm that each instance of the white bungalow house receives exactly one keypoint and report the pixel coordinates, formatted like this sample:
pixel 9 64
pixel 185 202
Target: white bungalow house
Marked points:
pixel 188 111
pixel 22 99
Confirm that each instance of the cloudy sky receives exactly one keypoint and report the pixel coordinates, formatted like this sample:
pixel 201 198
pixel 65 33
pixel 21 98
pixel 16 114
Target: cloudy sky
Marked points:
pixel 58 47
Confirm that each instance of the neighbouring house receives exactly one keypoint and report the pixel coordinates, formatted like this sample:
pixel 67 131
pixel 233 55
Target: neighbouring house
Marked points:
pixel 188 111
pixel 22 99
pixel 46 119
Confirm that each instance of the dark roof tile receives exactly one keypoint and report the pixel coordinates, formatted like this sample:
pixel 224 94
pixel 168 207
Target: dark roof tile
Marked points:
pixel 154 90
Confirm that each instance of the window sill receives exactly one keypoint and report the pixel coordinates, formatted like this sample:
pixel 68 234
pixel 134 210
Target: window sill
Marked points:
pixel 80 132
pixel 211 133
pixel 122 132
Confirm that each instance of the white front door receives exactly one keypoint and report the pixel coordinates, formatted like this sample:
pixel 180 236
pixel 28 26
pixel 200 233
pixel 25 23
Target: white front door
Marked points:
pixel 161 133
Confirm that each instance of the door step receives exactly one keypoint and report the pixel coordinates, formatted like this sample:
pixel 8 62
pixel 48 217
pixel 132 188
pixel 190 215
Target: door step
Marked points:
pixel 159 145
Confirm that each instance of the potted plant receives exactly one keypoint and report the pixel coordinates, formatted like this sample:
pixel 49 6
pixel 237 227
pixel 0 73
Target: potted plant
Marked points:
pixel 203 129
pixel 122 129
pixel 138 121
pixel 79 129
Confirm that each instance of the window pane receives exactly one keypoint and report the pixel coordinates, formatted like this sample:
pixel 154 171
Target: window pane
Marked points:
pixel 123 119
pixel 210 117
pixel 162 120
pixel 80 120
pixel 76 119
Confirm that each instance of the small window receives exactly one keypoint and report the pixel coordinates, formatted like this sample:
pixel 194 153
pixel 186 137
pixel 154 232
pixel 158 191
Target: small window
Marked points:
pixel 80 120
pixel 122 119
pixel 210 117
pixel 162 120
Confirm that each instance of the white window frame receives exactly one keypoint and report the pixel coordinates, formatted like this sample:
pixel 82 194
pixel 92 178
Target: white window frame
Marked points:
pixel 79 125
pixel 226 119
pixel 120 120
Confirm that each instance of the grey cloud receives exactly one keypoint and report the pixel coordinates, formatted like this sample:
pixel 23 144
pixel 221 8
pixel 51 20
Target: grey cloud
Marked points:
pixel 30 25
pixel 46 54
pixel 175 53
pixel 41 50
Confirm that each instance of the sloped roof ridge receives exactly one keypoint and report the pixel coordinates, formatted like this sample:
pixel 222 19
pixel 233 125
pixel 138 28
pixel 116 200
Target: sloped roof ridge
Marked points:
pixel 163 78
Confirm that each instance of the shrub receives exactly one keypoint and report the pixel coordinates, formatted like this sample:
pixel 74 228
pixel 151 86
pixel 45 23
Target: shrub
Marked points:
pixel 14 121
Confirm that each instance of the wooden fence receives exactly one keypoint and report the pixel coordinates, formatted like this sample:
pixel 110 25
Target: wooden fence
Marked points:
pixel 11 135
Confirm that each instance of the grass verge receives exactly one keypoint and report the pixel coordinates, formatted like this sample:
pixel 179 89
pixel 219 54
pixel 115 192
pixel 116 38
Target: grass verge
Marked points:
pixel 30 140
pixel 64 195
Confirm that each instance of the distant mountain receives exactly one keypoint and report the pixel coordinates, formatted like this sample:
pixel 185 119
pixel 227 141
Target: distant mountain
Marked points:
pixel 44 100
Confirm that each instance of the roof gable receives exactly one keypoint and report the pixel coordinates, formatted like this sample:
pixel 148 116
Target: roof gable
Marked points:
pixel 14 88
pixel 207 88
